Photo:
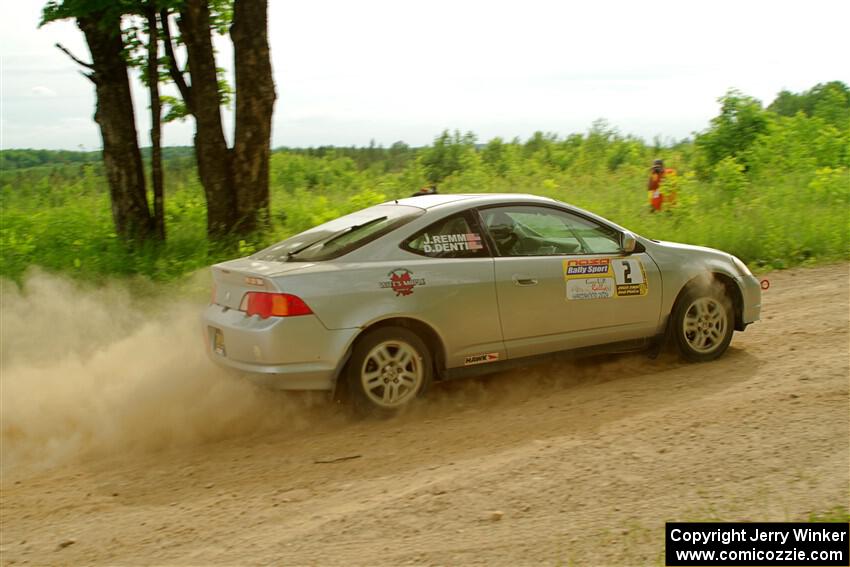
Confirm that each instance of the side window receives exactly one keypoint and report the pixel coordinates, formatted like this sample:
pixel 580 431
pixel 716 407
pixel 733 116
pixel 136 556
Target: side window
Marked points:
pixel 452 237
pixel 543 231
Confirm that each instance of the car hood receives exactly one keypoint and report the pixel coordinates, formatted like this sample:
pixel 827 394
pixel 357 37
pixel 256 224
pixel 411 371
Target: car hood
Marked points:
pixel 689 247
pixel 690 260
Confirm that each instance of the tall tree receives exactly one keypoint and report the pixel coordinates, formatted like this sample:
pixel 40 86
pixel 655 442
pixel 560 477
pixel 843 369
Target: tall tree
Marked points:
pixel 156 120
pixel 255 96
pixel 211 151
pixel 236 181
pixel 101 24
pixel 830 101
pixel 741 120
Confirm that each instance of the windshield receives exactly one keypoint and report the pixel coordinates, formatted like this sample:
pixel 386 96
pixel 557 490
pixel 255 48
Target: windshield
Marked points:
pixel 340 236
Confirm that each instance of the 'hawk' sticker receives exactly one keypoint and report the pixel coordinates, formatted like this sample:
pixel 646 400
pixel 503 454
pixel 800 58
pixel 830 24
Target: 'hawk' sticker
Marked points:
pixel 481 358
pixel 603 278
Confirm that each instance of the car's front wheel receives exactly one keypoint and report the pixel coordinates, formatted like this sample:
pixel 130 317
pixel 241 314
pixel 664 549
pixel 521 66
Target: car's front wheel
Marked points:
pixel 388 369
pixel 703 323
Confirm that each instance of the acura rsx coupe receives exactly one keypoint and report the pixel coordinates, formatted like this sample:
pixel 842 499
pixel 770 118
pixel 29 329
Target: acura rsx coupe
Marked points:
pixel 379 303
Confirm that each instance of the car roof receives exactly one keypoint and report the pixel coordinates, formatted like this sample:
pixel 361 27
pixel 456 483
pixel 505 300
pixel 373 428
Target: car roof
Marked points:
pixel 450 203
pixel 431 201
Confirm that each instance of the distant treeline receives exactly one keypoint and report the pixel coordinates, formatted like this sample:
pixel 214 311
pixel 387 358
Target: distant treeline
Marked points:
pixel 806 129
pixel 21 159
pixel 768 184
pixel 396 156
pixel 25 158
pixel 741 121
pixel 829 102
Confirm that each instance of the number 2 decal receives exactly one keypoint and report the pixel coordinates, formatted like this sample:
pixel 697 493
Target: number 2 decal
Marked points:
pixel 627 272
pixel 630 278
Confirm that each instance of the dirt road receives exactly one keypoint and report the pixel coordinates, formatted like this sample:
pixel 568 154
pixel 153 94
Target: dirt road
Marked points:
pixel 557 464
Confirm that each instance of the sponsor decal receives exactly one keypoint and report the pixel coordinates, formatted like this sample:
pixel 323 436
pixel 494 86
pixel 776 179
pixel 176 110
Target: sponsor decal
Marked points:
pixel 452 242
pixel 401 282
pixel 603 278
pixel 482 358
pixel 596 266
pixel 626 290
pixel 590 288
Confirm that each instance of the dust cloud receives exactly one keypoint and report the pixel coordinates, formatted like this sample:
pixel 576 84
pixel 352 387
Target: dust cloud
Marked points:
pixel 88 371
pixel 95 371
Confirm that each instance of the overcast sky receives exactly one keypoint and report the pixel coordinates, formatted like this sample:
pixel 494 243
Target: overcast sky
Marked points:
pixel 349 72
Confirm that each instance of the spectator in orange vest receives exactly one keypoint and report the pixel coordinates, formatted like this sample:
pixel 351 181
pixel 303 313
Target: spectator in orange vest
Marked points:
pixel 656 176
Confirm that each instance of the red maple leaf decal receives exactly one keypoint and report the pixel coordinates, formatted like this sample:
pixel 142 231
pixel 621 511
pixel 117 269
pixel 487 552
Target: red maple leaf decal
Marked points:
pixel 401 282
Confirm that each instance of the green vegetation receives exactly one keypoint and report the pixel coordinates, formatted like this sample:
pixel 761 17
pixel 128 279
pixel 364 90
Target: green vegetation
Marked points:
pixel 840 513
pixel 769 185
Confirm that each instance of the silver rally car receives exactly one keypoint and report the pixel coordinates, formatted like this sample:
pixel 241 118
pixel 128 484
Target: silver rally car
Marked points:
pixel 383 301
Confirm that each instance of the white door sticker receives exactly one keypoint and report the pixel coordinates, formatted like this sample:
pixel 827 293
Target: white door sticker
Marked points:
pixel 603 278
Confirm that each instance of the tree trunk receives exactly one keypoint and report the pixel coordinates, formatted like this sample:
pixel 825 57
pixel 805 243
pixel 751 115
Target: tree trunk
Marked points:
pixel 255 96
pixel 211 151
pixel 156 125
pixel 114 115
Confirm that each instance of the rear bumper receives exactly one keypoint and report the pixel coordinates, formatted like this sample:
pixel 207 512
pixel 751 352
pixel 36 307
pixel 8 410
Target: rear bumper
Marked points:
pixel 283 377
pixel 291 353
pixel 751 294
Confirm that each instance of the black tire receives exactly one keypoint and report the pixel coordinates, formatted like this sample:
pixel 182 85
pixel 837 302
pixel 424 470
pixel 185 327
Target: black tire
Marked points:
pixel 385 389
pixel 703 323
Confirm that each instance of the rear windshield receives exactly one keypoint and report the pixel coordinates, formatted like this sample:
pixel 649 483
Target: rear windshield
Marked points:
pixel 340 236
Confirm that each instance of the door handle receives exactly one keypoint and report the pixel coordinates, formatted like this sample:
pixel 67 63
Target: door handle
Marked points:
pixel 523 280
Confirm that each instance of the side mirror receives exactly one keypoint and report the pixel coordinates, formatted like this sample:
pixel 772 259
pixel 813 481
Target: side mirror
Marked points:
pixel 629 242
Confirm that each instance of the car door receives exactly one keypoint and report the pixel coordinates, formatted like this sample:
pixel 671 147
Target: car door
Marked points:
pixel 563 281
pixel 458 295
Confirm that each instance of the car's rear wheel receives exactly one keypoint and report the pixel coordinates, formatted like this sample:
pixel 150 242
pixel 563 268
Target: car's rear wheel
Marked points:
pixel 703 323
pixel 388 369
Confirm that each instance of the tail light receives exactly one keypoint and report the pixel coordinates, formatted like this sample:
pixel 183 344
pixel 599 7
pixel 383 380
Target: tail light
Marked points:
pixel 274 305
